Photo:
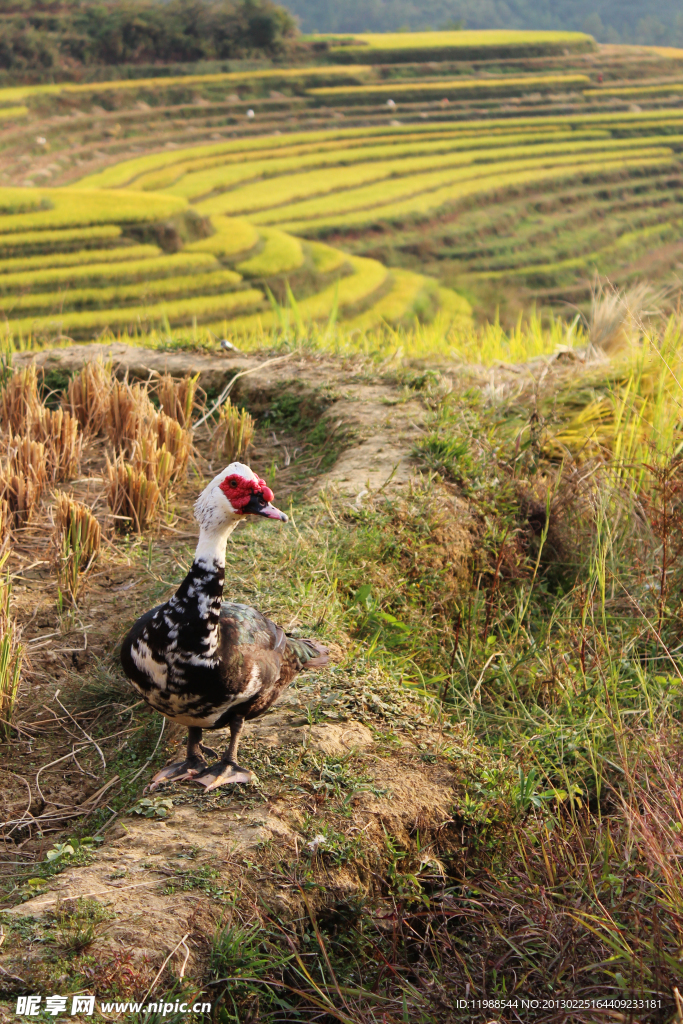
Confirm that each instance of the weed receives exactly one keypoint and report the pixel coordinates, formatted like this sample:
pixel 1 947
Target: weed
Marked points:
pixel 76 928
pixel 153 807
pixel 77 539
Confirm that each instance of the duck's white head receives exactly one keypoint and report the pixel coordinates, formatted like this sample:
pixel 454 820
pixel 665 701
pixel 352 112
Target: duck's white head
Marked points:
pixel 235 492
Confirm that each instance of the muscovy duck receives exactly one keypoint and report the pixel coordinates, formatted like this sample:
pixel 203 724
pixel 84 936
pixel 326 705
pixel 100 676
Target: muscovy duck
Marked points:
pixel 207 663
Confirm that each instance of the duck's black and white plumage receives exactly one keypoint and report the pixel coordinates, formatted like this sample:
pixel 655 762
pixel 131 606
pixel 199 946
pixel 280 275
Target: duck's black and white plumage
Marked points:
pixel 206 663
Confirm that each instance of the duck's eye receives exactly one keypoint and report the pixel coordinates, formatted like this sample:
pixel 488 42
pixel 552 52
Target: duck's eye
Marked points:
pixel 233 483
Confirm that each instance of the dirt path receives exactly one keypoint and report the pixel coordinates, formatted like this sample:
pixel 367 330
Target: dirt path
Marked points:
pixel 383 423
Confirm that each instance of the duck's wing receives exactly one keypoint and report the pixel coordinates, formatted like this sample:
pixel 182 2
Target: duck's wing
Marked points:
pixel 251 650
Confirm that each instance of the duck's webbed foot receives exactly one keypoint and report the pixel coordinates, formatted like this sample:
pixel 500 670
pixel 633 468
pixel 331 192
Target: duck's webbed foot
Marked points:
pixel 223 773
pixel 178 771
pixel 226 771
pixel 194 762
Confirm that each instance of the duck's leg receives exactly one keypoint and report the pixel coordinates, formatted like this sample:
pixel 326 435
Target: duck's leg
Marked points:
pixel 194 761
pixel 226 771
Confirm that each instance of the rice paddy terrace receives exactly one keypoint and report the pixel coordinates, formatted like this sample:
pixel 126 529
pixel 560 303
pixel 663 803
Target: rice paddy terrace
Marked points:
pixel 402 176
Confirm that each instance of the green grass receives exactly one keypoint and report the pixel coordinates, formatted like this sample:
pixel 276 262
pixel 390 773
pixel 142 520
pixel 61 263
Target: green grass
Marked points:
pixel 20 92
pixel 506 85
pixel 233 236
pixel 175 311
pixel 285 199
pixel 358 288
pixel 193 177
pixel 460 39
pixel 129 171
pixel 398 304
pixel 152 267
pixel 221 176
pixel 423 203
pixel 76 257
pixel 46 239
pixel 12 113
pixel 325 258
pixel 84 207
pixel 281 254
pixel 170 288
pixel 663 89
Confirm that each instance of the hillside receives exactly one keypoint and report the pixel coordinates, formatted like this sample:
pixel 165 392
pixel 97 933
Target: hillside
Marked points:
pixel 610 22
pixel 401 176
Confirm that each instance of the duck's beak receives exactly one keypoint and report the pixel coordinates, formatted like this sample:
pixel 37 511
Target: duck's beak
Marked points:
pixel 258 506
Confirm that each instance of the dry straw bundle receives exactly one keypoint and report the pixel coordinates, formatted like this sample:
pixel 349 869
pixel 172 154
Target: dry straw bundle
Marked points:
pixel 19 400
pixel 132 496
pixel 77 538
pixel 11 655
pixel 176 440
pixel 129 411
pixel 234 432
pixel 21 494
pixel 87 396
pixel 63 440
pixel 5 521
pixel 27 456
pixel 178 398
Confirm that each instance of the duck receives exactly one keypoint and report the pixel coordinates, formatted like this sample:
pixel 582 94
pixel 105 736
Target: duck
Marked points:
pixel 212 664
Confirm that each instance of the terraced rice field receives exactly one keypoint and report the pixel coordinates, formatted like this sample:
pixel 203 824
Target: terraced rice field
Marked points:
pixel 217 271
pixel 372 189
pixel 414 193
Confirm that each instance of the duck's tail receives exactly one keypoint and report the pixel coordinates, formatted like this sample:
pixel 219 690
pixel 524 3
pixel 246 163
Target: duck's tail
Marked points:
pixel 309 653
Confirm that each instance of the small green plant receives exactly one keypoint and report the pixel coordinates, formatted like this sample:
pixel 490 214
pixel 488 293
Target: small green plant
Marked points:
pixel 153 807
pixel 78 539
pixel 76 928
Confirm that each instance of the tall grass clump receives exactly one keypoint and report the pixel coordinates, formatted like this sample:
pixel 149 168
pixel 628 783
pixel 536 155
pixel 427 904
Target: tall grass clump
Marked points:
pixel 77 538
pixel 234 432
pixel 11 656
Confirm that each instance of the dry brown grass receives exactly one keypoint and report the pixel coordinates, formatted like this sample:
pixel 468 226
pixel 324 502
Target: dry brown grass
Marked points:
pixel 5 520
pixel 157 463
pixel 22 495
pixel 29 458
pixel 59 431
pixel 19 400
pixel 132 496
pixel 129 411
pixel 177 398
pixel 77 538
pixel 176 440
pixel 87 396
pixel 234 432
pixel 11 656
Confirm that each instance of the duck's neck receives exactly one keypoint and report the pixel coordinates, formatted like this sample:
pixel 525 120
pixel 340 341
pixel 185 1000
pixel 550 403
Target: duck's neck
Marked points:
pixel 198 598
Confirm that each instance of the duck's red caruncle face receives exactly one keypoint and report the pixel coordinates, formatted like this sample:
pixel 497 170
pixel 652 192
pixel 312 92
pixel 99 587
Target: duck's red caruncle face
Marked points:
pixel 250 496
